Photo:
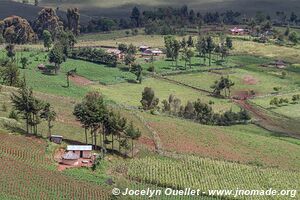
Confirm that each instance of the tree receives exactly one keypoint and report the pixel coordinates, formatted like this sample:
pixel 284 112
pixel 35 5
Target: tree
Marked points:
pixel 136 15
pixel 149 101
pixel 224 84
pixel 26 104
pixel 24 62
pixel 56 56
pixel 183 43
pixel 210 47
pixel 287 31
pixel 122 47
pixel 175 47
pixel 229 43
pixel 201 47
pixel 17 30
pixel 47 38
pixel 190 41
pixel 9 73
pixel 187 56
pixel 49 115
pixel 293 37
pixel 48 20
pixel 129 59
pixel 91 112
pixel 133 134
pixel 10 51
pixel 73 17
pixel 137 70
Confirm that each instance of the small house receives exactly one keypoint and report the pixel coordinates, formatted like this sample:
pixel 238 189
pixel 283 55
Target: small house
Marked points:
pixel 150 52
pixel 56 139
pixel 144 48
pixel 70 158
pixel 280 64
pixel 83 151
pixel 237 31
pixel 115 52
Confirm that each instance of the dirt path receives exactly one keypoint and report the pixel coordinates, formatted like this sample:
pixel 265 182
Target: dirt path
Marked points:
pixel 275 124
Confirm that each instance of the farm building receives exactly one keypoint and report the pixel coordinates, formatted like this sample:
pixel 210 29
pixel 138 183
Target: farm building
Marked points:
pixel 237 31
pixel 56 139
pixel 144 48
pixel 83 151
pixel 116 52
pixel 150 52
pixel 70 158
pixel 280 64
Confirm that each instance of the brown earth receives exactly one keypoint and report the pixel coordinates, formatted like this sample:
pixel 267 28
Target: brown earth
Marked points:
pixel 249 80
pixel 80 81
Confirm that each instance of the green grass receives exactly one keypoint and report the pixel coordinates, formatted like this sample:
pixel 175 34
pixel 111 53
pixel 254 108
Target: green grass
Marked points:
pixel 289 110
pixel 242 143
pixel 106 35
pixel 247 78
pixel 130 94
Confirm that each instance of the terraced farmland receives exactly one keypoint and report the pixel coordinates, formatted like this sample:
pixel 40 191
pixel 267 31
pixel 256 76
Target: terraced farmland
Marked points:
pixel 28 173
pixel 206 174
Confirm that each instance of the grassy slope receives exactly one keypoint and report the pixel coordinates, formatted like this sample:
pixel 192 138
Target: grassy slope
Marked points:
pixel 243 143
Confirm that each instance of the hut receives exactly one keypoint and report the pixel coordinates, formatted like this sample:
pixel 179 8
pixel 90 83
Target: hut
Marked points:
pixel 237 31
pixel 56 139
pixel 70 158
pixel 83 151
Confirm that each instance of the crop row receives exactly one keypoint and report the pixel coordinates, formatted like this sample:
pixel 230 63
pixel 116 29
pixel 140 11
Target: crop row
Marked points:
pixel 207 174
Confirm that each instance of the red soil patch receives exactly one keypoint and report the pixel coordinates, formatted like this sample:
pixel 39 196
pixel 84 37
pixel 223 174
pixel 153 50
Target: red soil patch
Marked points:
pixel 219 148
pixel 242 95
pixel 149 143
pixel 250 80
pixel 81 81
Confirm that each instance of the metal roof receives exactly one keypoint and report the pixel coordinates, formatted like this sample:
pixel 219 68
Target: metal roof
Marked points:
pixel 57 136
pixel 70 156
pixel 79 147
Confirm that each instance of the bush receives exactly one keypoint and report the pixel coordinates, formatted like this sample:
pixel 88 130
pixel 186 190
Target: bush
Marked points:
pixel 13 115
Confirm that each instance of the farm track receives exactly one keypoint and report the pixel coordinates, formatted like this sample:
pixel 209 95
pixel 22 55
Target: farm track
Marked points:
pixel 274 124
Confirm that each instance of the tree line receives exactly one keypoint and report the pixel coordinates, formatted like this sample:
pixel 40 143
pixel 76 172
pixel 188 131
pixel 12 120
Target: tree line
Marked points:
pixel 197 111
pixel 98 119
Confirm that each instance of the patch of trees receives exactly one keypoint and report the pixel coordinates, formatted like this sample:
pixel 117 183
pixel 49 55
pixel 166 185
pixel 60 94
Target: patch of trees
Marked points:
pixel 17 30
pixel 9 71
pixel 278 102
pixel 73 17
pixel 197 111
pixel 223 85
pixel 94 55
pixel 205 47
pixel 96 118
pixel 32 109
pixel 48 20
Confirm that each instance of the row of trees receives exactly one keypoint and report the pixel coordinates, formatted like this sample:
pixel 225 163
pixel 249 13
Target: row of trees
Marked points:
pixel 32 109
pixel 205 47
pixel 197 111
pixel 98 119
pixel 281 101
pixel 94 55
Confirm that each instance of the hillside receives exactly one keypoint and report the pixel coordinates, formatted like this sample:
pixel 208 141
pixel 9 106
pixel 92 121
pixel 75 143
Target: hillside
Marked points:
pixel 27 11
pixel 121 8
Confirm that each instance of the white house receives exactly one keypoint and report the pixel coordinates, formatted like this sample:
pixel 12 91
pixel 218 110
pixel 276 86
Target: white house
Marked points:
pixel 83 151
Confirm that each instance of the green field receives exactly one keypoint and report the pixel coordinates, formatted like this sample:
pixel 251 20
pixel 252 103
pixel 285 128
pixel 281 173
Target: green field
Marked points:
pixel 260 80
pixel 287 109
